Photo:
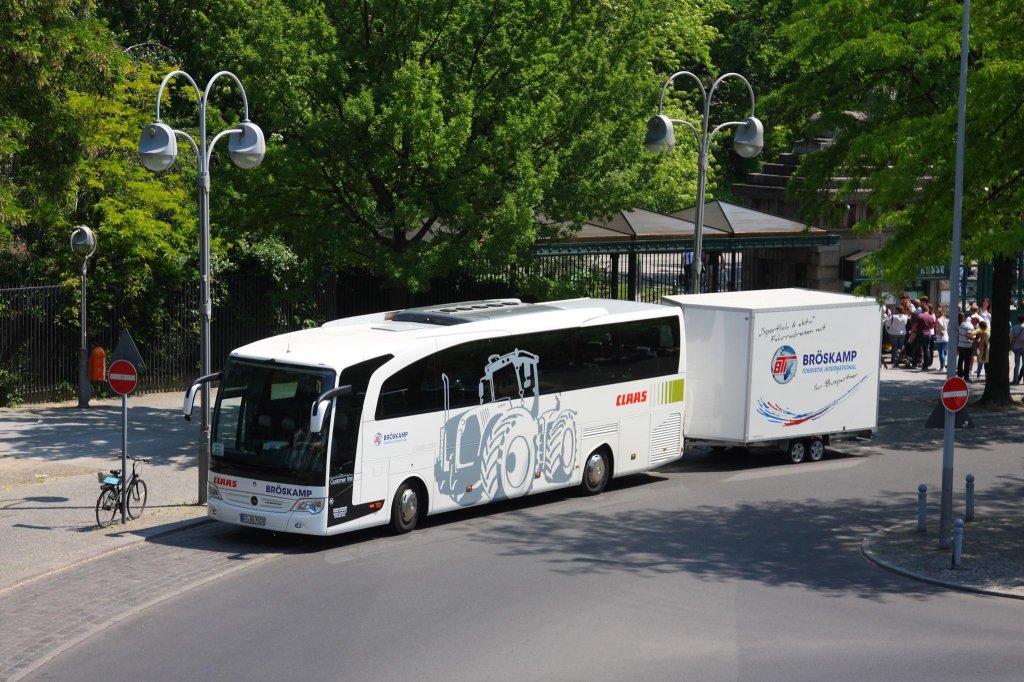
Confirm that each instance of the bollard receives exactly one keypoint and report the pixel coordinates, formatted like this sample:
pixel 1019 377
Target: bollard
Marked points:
pixel 922 507
pixel 958 542
pixel 970 497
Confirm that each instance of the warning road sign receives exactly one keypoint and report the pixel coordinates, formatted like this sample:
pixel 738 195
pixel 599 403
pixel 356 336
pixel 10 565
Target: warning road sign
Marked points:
pixel 122 377
pixel 955 392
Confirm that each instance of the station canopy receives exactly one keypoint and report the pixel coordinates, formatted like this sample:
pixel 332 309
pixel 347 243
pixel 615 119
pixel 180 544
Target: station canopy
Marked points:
pixel 727 227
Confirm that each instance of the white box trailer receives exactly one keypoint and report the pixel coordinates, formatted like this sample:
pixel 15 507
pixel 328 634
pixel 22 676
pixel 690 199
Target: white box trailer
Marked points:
pixel 792 368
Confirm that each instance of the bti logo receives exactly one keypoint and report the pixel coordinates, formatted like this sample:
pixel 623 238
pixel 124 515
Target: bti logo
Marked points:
pixel 784 364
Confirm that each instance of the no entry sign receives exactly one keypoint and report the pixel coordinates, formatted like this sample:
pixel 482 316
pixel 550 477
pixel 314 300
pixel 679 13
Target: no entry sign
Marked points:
pixel 122 377
pixel 954 394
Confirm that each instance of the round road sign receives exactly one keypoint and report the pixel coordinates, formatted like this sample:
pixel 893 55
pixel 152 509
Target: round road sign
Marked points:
pixel 122 377
pixel 954 394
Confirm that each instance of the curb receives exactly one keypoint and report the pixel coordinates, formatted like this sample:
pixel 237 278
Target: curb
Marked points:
pixel 872 556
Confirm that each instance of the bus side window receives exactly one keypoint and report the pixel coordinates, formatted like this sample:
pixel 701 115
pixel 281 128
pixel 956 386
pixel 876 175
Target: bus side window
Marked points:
pixel 412 390
pixel 597 355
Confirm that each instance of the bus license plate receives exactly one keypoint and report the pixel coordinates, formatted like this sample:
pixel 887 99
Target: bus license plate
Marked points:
pixel 253 520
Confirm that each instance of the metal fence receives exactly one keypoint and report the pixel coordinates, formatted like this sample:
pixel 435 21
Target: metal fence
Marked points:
pixel 39 334
pixel 34 347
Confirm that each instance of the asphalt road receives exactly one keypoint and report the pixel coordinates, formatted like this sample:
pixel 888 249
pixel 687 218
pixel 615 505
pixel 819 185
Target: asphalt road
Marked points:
pixel 735 566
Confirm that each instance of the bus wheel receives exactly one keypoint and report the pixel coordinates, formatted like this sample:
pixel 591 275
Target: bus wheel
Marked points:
pixel 797 451
pixel 816 449
pixel 405 508
pixel 596 472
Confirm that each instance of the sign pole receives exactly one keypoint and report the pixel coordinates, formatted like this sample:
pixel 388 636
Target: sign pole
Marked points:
pixel 946 506
pixel 124 458
pixel 123 377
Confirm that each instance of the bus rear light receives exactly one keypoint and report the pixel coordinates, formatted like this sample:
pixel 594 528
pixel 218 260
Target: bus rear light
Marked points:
pixel 469 488
pixel 374 506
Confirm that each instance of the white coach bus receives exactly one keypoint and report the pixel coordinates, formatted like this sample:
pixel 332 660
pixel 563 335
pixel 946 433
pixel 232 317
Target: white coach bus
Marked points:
pixel 380 419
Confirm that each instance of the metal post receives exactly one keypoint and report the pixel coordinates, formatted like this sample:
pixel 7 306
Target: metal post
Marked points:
pixel 970 498
pixel 698 223
pixel 84 387
pixel 124 459
pixel 158 152
pixel 946 508
pixel 614 289
pixel 922 507
pixel 958 542
pixel 205 313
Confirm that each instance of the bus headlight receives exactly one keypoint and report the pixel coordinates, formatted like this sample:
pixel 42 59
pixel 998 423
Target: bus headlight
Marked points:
pixel 312 505
pixel 213 491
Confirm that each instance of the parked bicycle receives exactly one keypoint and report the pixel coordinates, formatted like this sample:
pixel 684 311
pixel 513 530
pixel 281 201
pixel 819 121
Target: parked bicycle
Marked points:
pixel 108 505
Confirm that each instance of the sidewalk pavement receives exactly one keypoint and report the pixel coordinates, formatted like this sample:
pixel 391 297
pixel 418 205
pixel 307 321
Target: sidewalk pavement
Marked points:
pixel 49 455
pixel 992 557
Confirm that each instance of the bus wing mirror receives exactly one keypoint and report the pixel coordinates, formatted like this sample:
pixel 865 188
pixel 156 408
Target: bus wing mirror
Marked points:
pixel 319 409
pixel 190 394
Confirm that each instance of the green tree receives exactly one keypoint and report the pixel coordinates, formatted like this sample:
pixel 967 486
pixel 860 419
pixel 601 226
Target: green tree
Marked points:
pixel 749 43
pixel 419 137
pixel 884 78
pixel 71 108
pixel 48 49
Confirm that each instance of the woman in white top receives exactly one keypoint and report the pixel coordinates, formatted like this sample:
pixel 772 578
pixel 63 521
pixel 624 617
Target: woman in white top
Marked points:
pixel 896 326
pixel 985 312
pixel 941 336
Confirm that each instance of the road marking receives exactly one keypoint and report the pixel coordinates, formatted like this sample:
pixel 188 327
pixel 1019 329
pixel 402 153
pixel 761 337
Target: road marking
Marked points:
pixel 792 470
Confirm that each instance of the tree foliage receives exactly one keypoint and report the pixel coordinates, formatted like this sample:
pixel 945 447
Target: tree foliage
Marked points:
pixel 71 107
pixel 883 77
pixel 414 138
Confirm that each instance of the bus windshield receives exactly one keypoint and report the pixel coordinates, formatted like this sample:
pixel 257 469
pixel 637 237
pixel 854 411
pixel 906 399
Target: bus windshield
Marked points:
pixel 261 423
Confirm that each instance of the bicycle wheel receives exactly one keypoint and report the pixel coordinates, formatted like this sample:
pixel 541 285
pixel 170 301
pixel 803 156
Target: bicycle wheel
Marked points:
pixel 107 507
pixel 136 498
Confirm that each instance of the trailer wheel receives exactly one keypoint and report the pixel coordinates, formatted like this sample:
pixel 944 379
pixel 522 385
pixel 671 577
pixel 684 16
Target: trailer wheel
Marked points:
pixel 797 451
pixel 816 449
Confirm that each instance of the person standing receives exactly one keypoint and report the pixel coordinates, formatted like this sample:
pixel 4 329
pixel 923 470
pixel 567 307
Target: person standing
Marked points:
pixel 896 327
pixel 964 348
pixel 985 312
pixel 941 336
pixel 925 335
pixel 1017 346
pixel 981 346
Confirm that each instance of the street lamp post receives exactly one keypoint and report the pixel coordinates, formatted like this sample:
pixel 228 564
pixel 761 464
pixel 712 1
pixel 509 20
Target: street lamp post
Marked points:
pixel 158 149
pixel 83 245
pixel 747 141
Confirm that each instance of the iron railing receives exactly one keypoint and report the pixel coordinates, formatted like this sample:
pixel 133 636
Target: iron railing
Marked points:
pixel 39 334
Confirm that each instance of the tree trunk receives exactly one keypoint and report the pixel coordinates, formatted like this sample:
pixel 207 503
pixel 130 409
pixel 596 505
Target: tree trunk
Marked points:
pixel 997 373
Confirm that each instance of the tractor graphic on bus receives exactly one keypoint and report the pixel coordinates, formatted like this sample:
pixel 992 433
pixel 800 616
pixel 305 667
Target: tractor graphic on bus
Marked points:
pixel 499 447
